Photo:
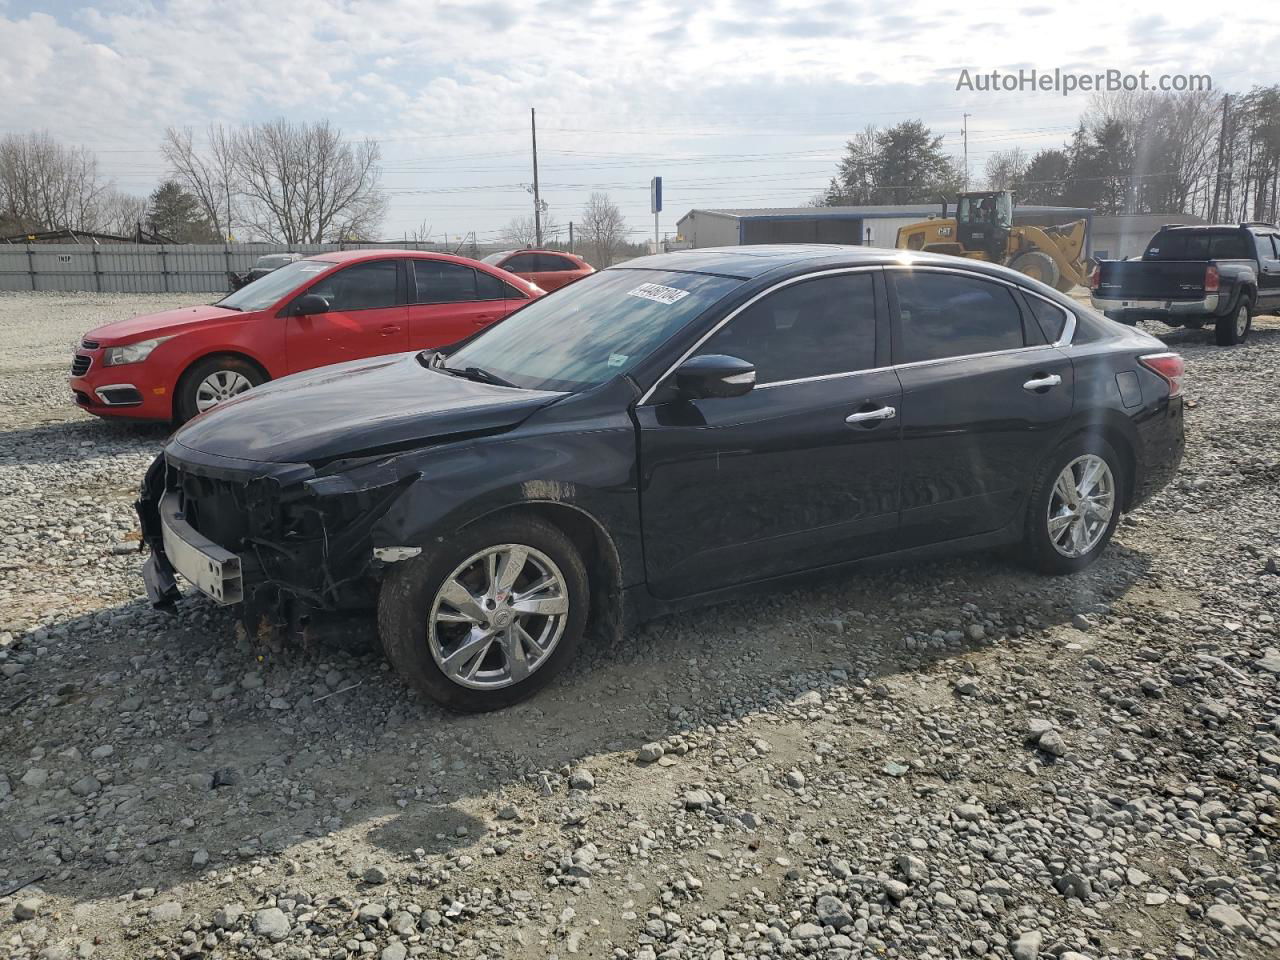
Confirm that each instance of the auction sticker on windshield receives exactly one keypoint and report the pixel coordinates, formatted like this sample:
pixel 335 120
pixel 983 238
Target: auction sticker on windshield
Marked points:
pixel 658 293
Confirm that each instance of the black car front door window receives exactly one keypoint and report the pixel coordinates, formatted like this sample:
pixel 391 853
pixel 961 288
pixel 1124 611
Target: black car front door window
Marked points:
pixel 809 329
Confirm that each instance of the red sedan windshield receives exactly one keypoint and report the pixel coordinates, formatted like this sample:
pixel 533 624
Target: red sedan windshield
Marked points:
pixel 273 287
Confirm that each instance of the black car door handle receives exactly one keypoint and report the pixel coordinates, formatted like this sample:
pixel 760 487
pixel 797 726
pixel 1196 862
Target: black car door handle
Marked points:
pixel 863 416
pixel 1042 383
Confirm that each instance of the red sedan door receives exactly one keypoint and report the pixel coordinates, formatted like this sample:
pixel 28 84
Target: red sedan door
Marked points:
pixel 367 317
pixel 450 301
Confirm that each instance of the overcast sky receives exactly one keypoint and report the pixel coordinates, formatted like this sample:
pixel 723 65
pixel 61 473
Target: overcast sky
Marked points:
pixel 734 102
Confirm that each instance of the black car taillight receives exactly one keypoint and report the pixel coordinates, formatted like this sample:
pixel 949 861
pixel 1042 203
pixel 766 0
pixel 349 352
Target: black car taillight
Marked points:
pixel 1095 277
pixel 1169 367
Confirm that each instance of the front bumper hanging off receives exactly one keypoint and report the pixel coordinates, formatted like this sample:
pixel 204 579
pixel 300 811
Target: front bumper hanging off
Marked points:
pixel 215 572
pixel 262 541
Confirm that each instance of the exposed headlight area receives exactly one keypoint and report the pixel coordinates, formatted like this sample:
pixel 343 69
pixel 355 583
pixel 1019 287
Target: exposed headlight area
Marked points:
pixel 131 352
pixel 309 539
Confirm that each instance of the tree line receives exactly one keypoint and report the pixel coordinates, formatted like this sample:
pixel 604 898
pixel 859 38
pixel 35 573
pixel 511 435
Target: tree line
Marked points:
pixel 1212 155
pixel 279 181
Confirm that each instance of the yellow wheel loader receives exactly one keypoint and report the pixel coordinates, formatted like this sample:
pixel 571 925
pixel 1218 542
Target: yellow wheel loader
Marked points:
pixel 983 229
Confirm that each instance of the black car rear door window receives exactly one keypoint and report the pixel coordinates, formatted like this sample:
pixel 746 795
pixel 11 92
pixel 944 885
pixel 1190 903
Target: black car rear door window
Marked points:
pixel 808 329
pixel 945 315
pixel 440 281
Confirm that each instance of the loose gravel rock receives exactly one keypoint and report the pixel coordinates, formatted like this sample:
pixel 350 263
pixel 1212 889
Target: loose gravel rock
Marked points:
pixel 953 759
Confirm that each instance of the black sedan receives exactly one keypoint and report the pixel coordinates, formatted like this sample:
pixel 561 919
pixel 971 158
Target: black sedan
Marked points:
pixel 662 434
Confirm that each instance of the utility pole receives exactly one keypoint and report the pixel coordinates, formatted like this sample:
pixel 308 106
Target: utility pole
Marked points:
pixel 571 236
pixel 537 199
pixel 655 204
pixel 1222 143
pixel 964 132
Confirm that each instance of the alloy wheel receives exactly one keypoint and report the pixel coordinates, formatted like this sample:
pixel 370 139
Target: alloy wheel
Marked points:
pixel 1081 505
pixel 1242 322
pixel 498 617
pixel 218 386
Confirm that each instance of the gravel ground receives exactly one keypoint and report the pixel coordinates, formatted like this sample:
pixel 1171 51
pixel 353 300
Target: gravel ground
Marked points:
pixel 956 759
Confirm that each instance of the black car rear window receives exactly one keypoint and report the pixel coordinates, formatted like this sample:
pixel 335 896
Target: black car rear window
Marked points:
pixel 1198 245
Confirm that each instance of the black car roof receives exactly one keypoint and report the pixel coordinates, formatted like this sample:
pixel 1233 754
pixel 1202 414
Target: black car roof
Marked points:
pixel 747 262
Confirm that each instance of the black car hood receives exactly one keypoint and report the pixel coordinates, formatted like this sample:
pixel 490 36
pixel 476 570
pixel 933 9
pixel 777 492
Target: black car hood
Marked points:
pixel 356 408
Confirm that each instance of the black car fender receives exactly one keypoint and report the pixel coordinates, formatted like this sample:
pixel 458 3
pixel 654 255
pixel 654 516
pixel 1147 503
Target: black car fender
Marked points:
pixel 569 478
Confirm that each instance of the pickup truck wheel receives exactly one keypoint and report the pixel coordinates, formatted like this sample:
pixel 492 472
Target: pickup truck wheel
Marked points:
pixel 1235 326
pixel 489 617
pixel 1074 506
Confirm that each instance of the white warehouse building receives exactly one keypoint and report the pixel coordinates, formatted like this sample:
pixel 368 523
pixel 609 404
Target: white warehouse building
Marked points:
pixel 872 226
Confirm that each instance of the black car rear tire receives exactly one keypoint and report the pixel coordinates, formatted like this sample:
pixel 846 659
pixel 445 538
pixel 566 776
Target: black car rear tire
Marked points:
pixel 1233 329
pixel 1053 519
pixel 454 628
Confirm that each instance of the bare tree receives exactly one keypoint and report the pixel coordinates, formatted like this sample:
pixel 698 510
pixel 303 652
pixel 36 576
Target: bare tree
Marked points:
pixel 1173 140
pixel 303 183
pixel 121 213
pixel 45 185
pixel 1004 168
pixel 210 176
pixel 603 228
pixel 421 233
pixel 522 231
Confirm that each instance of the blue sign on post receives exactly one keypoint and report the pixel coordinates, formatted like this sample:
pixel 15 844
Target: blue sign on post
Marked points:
pixel 655 195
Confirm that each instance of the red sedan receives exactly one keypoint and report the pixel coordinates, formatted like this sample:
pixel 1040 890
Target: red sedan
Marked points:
pixel 326 309
pixel 549 269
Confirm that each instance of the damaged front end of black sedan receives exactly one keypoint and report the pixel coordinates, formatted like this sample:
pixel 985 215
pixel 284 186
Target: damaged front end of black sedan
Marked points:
pixel 284 541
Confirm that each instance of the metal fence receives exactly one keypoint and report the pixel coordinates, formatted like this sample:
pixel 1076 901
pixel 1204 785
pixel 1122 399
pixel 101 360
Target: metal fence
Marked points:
pixel 142 268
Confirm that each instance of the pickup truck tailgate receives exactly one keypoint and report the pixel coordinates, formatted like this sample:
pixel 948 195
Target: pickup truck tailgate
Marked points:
pixel 1151 279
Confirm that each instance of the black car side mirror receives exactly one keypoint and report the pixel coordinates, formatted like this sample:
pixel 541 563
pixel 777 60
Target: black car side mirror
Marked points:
pixel 715 375
pixel 310 303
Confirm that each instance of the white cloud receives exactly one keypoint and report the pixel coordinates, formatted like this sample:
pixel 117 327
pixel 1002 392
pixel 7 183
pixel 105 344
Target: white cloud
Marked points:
pixel 443 80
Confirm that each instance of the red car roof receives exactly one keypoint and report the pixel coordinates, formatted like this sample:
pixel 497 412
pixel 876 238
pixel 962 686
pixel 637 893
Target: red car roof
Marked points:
pixel 347 256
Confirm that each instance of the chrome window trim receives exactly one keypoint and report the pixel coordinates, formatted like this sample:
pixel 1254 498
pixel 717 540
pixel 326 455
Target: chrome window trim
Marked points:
pixel 823 376
pixel 1068 330
pixel 648 394
pixel 974 356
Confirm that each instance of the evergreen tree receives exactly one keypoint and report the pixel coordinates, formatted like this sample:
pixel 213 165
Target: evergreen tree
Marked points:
pixel 175 214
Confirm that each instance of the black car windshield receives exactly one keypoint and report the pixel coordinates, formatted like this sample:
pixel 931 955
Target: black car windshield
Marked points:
pixel 277 284
pixel 593 330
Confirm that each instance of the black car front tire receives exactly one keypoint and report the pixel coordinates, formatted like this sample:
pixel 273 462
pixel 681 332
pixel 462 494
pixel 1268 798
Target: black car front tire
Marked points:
pixel 455 629
pixel 1055 513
